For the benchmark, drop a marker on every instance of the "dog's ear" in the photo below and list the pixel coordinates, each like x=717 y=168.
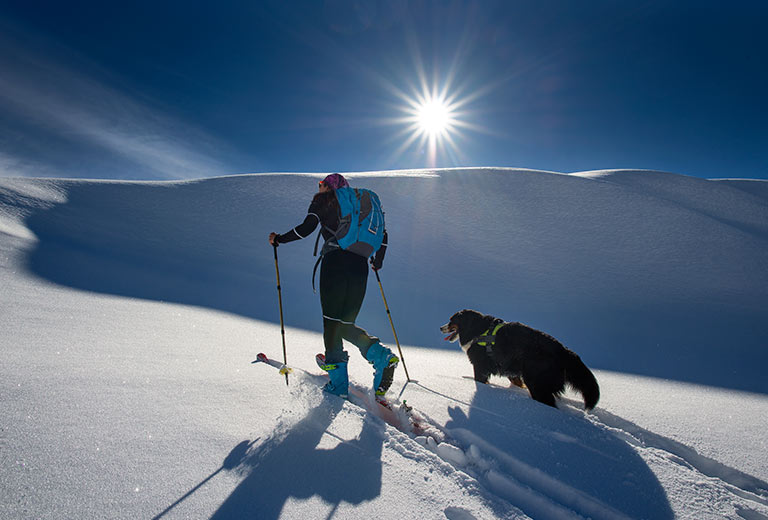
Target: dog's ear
x=463 y=314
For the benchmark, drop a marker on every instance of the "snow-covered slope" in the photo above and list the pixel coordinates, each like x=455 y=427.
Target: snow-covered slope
x=130 y=313
x=624 y=267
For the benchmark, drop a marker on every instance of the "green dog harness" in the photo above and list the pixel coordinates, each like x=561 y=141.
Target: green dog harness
x=488 y=338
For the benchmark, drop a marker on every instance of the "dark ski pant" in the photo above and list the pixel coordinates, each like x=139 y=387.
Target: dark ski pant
x=343 y=281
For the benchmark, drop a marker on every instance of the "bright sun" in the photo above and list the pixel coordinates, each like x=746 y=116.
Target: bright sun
x=434 y=117
x=432 y=122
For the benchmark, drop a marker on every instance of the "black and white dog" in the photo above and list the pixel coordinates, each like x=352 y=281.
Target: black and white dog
x=514 y=350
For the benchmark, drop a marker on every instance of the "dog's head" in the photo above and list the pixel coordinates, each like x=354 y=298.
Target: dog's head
x=464 y=326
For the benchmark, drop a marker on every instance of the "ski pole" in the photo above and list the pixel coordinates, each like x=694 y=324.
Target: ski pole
x=280 y=302
x=386 y=306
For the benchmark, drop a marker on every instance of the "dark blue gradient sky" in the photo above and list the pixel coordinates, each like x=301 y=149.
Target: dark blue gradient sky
x=162 y=90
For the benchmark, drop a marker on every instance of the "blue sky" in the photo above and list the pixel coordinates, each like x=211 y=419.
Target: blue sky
x=165 y=90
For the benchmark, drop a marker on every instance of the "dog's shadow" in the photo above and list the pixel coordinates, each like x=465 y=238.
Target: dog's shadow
x=741 y=484
x=550 y=460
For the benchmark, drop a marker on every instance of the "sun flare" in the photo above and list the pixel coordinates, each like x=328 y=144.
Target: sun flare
x=434 y=121
x=433 y=117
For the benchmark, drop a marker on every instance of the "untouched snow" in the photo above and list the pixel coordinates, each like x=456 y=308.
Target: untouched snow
x=130 y=313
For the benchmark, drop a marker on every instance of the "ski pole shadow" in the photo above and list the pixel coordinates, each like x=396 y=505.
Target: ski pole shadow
x=234 y=459
x=292 y=466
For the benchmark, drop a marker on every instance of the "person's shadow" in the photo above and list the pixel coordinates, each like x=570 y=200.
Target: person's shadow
x=292 y=465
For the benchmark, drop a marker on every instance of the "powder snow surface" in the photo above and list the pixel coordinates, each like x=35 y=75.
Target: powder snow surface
x=130 y=313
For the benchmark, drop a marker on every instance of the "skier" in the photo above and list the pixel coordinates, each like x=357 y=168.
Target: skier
x=343 y=281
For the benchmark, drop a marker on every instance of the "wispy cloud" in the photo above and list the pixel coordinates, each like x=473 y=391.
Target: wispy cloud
x=14 y=166
x=65 y=99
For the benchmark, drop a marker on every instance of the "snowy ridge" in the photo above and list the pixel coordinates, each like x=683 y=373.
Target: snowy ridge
x=130 y=313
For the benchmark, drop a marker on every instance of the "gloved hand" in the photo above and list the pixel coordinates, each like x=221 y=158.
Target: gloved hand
x=376 y=262
x=273 y=239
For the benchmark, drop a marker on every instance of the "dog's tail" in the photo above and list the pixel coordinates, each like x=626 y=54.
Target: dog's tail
x=582 y=379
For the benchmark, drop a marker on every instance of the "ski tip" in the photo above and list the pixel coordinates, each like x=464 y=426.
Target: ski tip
x=260 y=358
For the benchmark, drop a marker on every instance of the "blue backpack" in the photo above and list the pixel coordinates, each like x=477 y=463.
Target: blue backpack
x=361 y=221
x=361 y=224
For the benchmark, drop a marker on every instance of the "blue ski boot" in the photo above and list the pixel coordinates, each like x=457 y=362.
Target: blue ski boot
x=337 y=372
x=384 y=363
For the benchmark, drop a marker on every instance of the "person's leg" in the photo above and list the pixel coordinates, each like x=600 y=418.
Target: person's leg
x=359 y=338
x=355 y=284
x=333 y=290
x=383 y=360
x=343 y=282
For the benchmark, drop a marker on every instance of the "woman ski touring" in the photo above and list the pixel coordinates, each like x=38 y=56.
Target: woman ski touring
x=343 y=281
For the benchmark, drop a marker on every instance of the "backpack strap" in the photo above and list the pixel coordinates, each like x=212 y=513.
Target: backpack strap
x=317 y=240
x=329 y=245
x=314 y=271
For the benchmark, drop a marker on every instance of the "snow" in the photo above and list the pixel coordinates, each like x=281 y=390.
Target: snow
x=131 y=311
